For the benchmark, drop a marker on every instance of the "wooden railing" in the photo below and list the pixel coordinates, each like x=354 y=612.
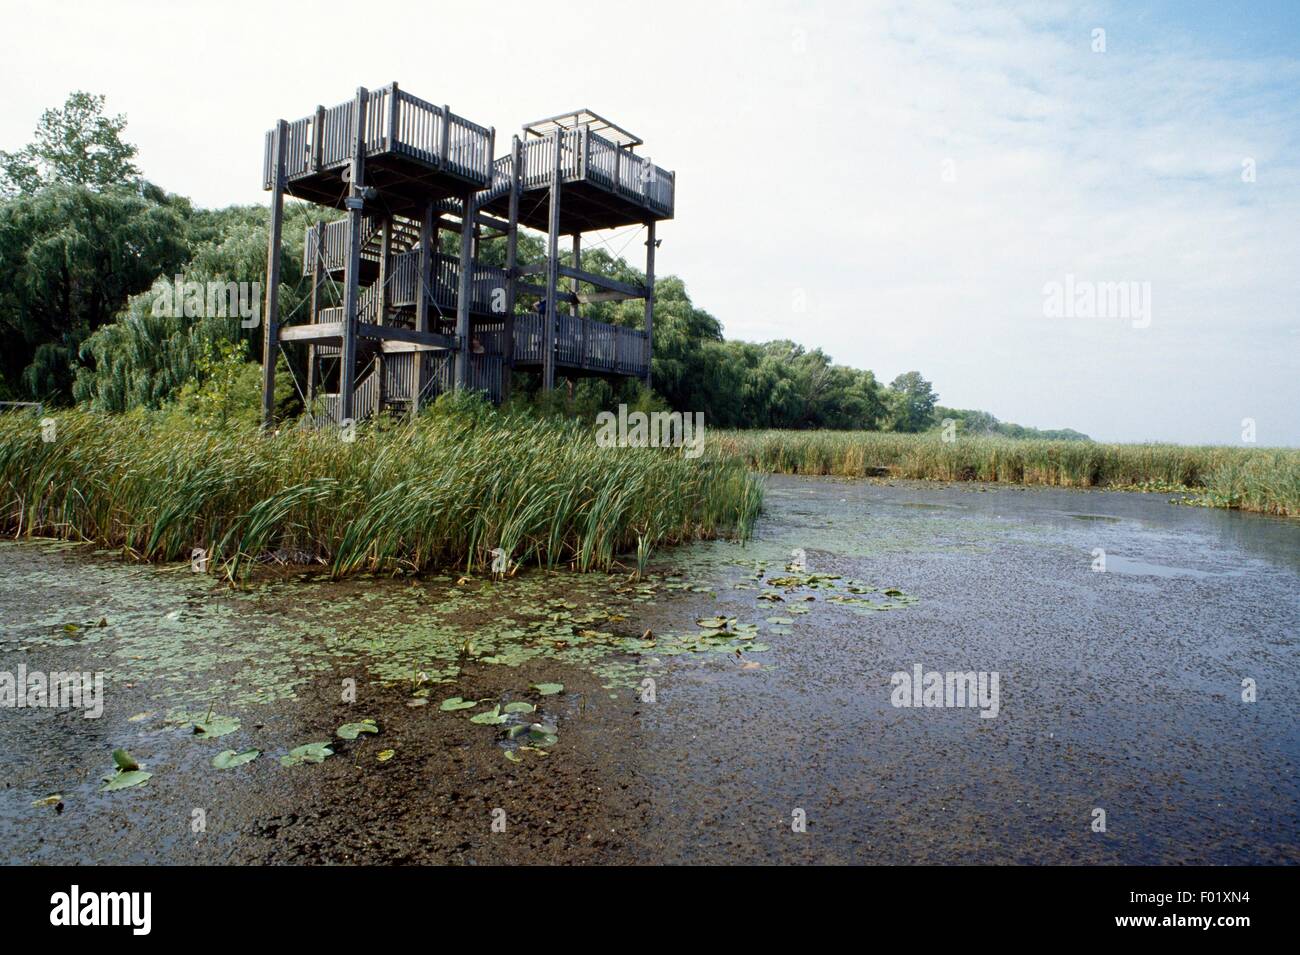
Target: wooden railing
x=585 y=155
x=396 y=122
x=487 y=288
x=336 y=244
x=584 y=343
x=627 y=174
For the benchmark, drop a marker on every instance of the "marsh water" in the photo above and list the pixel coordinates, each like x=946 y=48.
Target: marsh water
x=736 y=704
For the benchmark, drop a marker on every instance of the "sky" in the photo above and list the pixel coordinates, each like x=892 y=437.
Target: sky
x=903 y=185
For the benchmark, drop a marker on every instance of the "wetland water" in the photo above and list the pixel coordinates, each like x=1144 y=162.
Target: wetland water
x=1117 y=690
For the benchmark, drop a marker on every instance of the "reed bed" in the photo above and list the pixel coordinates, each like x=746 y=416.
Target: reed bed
x=1266 y=480
x=436 y=494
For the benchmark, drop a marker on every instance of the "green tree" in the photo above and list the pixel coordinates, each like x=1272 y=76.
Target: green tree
x=69 y=258
x=77 y=145
x=143 y=359
x=912 y=401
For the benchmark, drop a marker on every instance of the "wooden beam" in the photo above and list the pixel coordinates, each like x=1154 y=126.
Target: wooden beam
x=423 y=290
x=271 y=320
x=396 y=333
x=591 y=298
x=317 y=276
x=626 y=289
x=552 y=270
x=465 y=292
x=385 y=252
x=352 y=275
x=512 y=256
x=649 y=299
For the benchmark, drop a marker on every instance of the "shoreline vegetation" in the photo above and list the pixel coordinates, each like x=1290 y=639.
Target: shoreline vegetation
x=1262 y=480
x=467 y=487
x=451 y=491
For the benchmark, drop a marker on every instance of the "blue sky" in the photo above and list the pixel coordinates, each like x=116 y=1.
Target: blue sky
x=896 y=183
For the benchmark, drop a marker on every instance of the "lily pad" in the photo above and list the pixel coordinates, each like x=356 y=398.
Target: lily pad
x=384 y=755
x=548 y=689
x=456 y=703
x=229 y=759
x=125 y=780
x=353 y=730
x=215 y=726
x=492 y=717
x=49 y=800
x=518 y=706
x=307 y=753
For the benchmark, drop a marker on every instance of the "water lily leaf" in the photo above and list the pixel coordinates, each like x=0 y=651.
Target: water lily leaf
x=124 y=760
x=215 y=726
x=513 y=756
x=353 y=730
x=456 y=703
x=712 y=623
x=518 y=706
x=125 y=780
x=548 y=689
x=893 y=592
x=492 y=717
x=49 y=800
x=781 y=620
x=384 y=755
x=307 y=753
x=229 y=759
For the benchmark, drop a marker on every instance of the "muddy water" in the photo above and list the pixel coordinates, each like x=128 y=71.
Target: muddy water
x=768 y=707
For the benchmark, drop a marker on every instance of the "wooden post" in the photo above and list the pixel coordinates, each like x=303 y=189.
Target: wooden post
x=423 y=290
x=352 y=275
x=512 y=267
x=318 y=138
x=271 y=320
x=649 y=300
x=385 y=250
x=573 y=306
x=393 y=108
x=552 y=273
x=465 y=291
x=317 y=268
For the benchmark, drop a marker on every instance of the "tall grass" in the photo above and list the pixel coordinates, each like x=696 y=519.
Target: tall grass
x=1255 y=479
x=445 y=492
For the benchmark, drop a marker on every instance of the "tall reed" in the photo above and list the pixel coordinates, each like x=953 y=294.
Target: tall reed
x=441 y=493
x=1255 y=479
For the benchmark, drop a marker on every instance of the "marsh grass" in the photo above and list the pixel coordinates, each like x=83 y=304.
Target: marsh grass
x=1254 y=479
x=443 y=492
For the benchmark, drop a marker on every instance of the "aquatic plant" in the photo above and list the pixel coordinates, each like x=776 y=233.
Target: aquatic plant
x=1254 y=479
x=444 y=491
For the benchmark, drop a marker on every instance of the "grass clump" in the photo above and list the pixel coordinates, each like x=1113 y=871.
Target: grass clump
x=445 y=491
